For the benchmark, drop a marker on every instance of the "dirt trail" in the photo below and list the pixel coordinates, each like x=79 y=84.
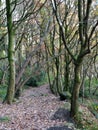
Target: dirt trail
x=33 y=111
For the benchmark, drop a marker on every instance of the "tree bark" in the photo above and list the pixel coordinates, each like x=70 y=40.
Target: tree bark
x=11 y=55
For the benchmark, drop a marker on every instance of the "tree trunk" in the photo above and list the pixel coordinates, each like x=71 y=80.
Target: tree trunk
x=66 y=78
x=76 y=88
x=57 y=75
x=66 y=75
x=11 y=55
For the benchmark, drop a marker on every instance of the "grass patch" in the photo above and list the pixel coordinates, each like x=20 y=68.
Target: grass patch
x=5 y=119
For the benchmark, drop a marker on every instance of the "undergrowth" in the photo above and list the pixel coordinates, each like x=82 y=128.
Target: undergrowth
x=3 y=90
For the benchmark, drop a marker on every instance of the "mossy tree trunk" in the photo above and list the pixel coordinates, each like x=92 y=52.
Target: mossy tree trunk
x=11 y=55
x=76 y=89
x=84 y=38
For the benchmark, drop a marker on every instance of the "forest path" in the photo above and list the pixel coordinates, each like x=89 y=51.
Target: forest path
x=34 y=111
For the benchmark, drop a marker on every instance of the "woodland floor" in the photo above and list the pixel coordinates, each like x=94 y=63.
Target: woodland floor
x=37 y=109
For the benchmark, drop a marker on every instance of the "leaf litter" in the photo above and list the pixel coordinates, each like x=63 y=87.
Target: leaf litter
x=33 y=111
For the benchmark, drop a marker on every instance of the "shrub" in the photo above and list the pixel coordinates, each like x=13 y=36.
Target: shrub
x=65 y=95
x=3 y=90
x=37 y=80
x=94 y=109
x=86 y=94
x=32 y=82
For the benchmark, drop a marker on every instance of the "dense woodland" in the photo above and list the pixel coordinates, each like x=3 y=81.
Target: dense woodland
x=51 y=42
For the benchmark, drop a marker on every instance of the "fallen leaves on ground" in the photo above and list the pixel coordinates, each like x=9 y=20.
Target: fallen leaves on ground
x=33 y=111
